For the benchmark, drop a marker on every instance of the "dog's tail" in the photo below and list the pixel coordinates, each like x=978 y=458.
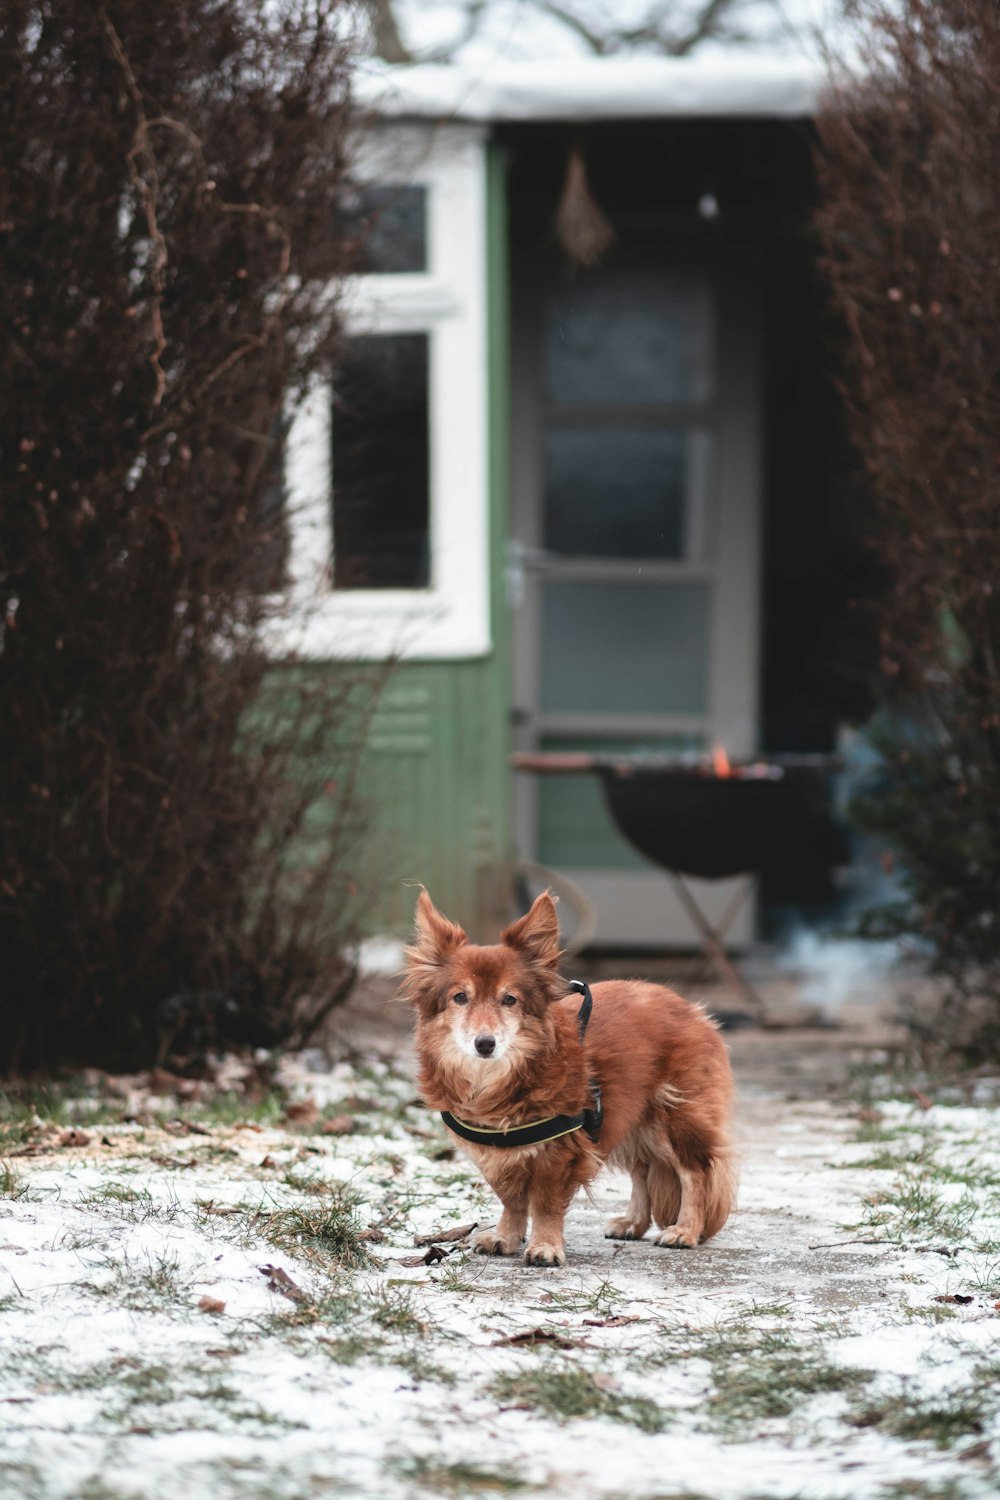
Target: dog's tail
x=720 y=1189
x=715 y=1186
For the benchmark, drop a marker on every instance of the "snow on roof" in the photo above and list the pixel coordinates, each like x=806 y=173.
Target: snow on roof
x=748 y=84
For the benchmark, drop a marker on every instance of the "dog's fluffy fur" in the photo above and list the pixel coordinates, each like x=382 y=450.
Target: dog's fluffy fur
x=661 y=1064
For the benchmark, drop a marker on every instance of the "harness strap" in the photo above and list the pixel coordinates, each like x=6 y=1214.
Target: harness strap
x=535 y=1132
x=583 y=1014
x=532 y=1134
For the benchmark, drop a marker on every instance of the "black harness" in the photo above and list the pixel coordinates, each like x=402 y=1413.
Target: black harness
x=536 y=1132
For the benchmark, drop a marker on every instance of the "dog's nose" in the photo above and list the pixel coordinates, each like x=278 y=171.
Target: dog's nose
x=485 y=1046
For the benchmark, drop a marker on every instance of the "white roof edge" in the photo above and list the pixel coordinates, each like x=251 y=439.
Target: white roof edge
x=738 y=85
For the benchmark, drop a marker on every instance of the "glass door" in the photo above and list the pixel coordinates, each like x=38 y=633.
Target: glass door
x=635 y=613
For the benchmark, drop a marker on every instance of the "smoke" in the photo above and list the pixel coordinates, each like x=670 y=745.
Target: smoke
x=831 y=972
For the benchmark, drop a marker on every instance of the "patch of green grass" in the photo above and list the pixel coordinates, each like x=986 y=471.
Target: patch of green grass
x=120 y=1192
x=759 y=1372
x=755 y=1388
x=766 y=1310
x=327 y=1230
x=914 y=1207
x=394 y=1311
x=880 y=1161
x=142 y=1395
x=941 y=1419
x=12 y=1184
x=565 y=1393
x=932 y=1312
x=459 y=1478
x=601 y=1299
x=920 y=1489
x=231 y=1108
x=456 y=1276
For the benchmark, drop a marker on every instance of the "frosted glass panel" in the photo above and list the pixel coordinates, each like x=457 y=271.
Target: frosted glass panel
x=624 y=647
x=624 y=336
x=621 y=491
x=575 y=829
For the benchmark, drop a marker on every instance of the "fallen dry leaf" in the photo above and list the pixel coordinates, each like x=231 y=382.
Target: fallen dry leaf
x=956 y=1297
x=221 y=1210
x=74 y=1138
x=922 y=1099
x=211 y=1305
x=616 y=1322
x=302 y=1112
x=181 y=1127
x=372 y=1235
x=977 y=1450
x=269 y=1161
x=445 y=1236
x=339 y=1125
x=278 y=1280
x=173 y=1161
x=431 y=1254
x=162 y=1082
x=532 y=1336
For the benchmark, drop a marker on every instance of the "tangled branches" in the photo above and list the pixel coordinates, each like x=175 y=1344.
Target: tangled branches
x=169 y=177
x=910 y=221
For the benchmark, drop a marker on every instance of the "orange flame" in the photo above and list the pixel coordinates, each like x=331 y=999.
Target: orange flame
x=720 y=762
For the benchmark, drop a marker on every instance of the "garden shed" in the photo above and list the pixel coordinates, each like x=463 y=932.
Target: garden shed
x=595 y=506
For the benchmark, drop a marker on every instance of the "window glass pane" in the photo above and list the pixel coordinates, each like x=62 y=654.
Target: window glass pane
x=625 y=335
x=389 y=225
x=575 y=829
x=624 y=647
x=621 y=491
x=381 y=506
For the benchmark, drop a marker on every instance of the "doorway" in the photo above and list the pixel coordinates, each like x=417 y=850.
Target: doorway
x=635 y=549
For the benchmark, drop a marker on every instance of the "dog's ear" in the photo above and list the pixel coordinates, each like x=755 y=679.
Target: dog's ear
x=536 y=934
x=436 y=936
x=437 y=939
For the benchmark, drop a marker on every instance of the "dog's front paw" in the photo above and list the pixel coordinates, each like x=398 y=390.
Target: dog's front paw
x=539 y=1253
x=625 y=1228
x=492 y=1242
x=677 y=1238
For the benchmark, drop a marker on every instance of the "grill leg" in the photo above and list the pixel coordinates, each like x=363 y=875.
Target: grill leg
x=712 y=941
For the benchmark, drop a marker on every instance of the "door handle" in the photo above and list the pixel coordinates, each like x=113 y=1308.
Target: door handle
x=522 y=559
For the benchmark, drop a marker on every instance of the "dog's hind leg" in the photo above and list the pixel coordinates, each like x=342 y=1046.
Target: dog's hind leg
x=692 y=1201
x=686 y=1226
x=632 y=1225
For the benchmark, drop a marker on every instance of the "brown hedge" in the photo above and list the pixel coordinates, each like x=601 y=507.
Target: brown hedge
x=169 y=176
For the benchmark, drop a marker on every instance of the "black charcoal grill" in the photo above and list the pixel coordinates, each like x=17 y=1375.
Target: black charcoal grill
x=711 y=819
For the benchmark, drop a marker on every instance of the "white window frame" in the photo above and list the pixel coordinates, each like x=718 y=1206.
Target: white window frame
x=450 y=619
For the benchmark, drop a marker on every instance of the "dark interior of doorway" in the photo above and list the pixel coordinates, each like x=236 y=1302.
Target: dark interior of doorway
x=745 y=191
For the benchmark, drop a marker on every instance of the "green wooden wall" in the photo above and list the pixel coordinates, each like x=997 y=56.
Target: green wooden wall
x=435 y=781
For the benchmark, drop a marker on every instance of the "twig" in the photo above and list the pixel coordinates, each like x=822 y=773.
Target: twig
x=148 y=188
x=861 y=1240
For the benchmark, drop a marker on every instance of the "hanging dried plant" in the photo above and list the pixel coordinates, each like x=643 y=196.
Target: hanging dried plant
x=581 y=227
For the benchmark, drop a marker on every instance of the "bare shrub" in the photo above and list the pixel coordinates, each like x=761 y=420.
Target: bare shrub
x=175 y=849
x=910 y=220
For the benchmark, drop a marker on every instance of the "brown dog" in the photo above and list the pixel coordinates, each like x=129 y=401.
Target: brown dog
x=501 y=1055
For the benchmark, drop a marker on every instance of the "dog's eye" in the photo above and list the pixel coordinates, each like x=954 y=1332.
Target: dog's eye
x=461 y=998
x=509 y=1000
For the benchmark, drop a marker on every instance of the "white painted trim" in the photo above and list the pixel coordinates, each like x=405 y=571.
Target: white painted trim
x=451 y=618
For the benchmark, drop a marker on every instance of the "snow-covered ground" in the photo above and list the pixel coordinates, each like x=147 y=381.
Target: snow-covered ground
x=841 y=1337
